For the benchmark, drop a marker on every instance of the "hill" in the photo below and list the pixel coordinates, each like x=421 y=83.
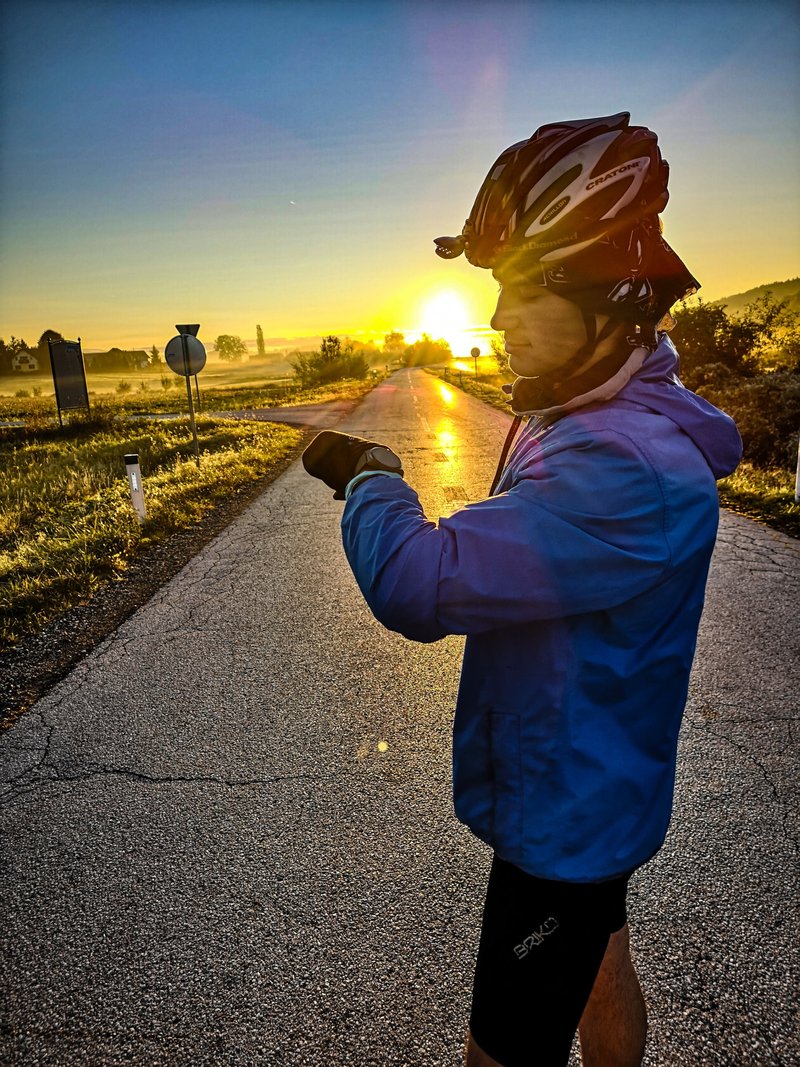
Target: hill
x=788 y=290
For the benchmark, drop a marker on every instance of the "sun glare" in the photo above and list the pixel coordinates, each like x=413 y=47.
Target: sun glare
x=446 y=315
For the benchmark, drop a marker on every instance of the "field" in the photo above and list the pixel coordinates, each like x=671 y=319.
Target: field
x=66 y=522
x=154 y=388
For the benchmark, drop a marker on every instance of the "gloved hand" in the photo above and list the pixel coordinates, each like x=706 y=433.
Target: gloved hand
x=336 y=458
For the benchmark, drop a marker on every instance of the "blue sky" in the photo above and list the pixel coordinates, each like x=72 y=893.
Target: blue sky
x=289 y=163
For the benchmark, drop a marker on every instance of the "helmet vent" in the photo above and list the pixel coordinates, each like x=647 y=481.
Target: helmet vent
x=545 y=200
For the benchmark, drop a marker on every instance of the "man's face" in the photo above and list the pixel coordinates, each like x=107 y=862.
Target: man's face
x=542 y=331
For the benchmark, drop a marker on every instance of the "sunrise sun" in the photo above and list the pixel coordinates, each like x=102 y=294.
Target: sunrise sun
x=446 y=315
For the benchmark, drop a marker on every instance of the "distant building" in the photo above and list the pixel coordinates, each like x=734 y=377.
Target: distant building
x=116 y=359
x=24 y=362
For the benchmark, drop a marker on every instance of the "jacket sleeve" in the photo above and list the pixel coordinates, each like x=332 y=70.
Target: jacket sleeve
x=583 y=529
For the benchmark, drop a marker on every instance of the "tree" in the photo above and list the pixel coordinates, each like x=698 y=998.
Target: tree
x=331 y=349
x=229 y=348
x=368 y=349
x=155 y=359
x=260 y=342
x=427 y=351
x=5 y=357
x=499 y=352
x=42 y=348
x=394 y=344
x=333 y=362
x=16 y=344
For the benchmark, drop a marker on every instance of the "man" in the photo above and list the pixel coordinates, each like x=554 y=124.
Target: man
x=579 y=582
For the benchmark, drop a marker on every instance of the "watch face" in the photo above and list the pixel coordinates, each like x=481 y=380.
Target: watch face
x=382 y=458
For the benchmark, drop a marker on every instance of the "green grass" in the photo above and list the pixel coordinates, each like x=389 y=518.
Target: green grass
x=764 y=495
x=66 y=521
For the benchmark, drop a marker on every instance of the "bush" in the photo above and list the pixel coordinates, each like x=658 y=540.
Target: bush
x=766 y=410
x=426 y=351
x=764 y=335
x=123 y=387
x=333 y=362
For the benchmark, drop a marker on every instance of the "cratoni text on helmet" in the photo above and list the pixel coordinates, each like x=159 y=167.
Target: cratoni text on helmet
x=634 y=165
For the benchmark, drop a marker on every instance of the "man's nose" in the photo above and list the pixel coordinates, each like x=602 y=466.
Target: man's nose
x=504 y=316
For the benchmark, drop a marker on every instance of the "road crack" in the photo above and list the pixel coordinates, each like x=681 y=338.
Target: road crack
x=95 y=771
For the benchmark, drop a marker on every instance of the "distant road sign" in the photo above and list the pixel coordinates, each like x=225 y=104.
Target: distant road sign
x=69 y=377
x=195 y=355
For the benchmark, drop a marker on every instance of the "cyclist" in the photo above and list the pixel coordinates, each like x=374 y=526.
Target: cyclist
x=579 y=582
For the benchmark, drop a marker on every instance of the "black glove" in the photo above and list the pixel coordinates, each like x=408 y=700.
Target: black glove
x=336 y=458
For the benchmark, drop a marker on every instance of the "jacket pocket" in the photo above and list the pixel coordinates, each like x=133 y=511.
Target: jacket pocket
x=507 y=771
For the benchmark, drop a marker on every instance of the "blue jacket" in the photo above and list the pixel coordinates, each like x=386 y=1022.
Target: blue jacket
x=579 y=585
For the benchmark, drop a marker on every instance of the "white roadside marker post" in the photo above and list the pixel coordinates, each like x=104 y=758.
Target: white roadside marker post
x=135 y=485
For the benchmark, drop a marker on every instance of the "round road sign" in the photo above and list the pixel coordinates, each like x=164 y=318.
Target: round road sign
x=195 y=355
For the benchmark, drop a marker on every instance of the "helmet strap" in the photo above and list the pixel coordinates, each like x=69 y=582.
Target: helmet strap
x=587 y=350
x=573 y=378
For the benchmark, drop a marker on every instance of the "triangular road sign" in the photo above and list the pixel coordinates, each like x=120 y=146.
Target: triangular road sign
x=189 y=329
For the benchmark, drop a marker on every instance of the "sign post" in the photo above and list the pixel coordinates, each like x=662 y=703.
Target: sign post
x=475 y=352
x=69 y=376
x=187 y=356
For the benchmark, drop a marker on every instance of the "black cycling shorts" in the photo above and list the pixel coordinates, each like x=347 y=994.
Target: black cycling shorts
x=541 y=947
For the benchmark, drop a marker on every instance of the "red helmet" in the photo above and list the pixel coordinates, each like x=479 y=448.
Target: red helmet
x=575 y=207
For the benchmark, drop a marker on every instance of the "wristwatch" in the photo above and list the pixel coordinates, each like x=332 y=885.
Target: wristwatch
x=378 y=458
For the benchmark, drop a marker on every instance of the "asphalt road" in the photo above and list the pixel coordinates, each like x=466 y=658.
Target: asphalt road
x=227 y=835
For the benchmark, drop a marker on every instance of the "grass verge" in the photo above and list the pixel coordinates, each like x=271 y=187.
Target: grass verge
x=66 y=522
x=764 y=495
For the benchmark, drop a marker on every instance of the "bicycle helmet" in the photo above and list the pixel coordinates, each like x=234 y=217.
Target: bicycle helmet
x=575 y=208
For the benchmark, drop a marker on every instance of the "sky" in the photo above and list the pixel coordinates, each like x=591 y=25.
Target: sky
x=289 y=163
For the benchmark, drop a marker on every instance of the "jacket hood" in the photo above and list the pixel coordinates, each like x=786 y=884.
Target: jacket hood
x=657 y=386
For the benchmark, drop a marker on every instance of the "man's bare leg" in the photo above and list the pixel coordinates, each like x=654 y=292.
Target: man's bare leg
x=476 y=1057
x=613 y=1028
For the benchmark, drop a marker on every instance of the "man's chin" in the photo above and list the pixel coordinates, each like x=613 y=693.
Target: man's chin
x=523 y=362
